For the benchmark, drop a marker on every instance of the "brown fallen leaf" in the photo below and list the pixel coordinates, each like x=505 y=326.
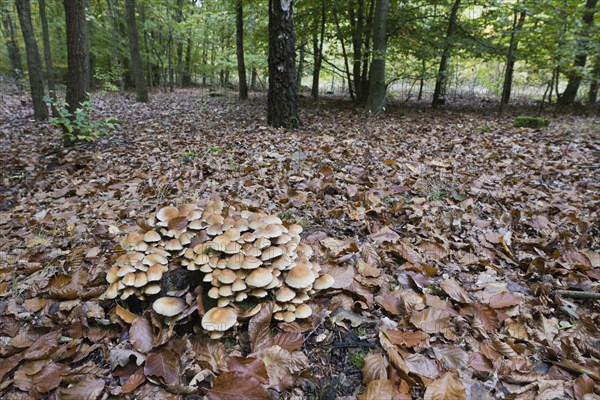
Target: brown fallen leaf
x=505 y=299
x=134 y=381
x=455 y=291
x=582 y=386
x=249 y=366
x=283 y=366
x=164 y=365
x=86 y=389
x=140 y=335
x=375 y=368
x=446 y=387
x=259 y=328
x=382 y=389
x=235 y=385
x=125 y=314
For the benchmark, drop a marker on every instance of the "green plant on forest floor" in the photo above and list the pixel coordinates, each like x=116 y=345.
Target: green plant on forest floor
x=358 y=358
x=527 y=121
x=78 y=125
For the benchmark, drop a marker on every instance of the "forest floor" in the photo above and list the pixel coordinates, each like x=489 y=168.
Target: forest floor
x=447 y=233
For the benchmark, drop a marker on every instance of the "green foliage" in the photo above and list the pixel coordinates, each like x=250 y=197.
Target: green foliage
x=527 y=121
x=109 y=78
x=78 y=125
x=358 y=358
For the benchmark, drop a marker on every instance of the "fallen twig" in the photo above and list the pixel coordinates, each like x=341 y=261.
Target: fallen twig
x=575 y=294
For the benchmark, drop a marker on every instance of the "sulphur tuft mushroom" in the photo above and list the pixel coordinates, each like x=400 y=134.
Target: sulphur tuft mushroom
x=219 y=319
x=168 y=306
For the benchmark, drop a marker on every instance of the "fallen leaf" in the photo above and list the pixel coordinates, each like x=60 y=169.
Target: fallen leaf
x=446 y=387
x=86 y=389
x=375 y=368
x=163 y=364
x=235 y=385
x=140 y=335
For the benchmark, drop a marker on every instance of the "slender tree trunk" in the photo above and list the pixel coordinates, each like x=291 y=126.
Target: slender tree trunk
x=149 y=70
x=377 y=88
x=367 y=52
x=187 y=73
x=134 y=48
x=77 y=51
x=34 y=64
x=90 y=54
x=48 y=56
x=344 y=54
x=179 y=18
x=239 y=46
x=253 y=79
x=14 y=55
x=300 y=72
x=115 y=45
x=441 y=81
x=318 y=53
x=510 y=57
x=282 y=99
x=570 y=94
x=595 y=83
x=356 y=25
x=421 y=80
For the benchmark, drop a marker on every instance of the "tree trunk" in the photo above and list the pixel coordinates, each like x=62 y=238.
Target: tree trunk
x=90 y=55
x=14 y=55
x=421 y=80
x=300 y=71
x=364 y=80
x=510 y=57
x=595 y=83
x=441 y=81
x=570 y=94
x=149 y=71
x=377 y=87
x=318 y=52
x=77 y=50
x=187 y=73
x=136 y=59
x=115 y=45
x=34 y=64
x=253 y=79
x=179 y=18
x=239 y=47
x=282 y=98
x=48 y=56
x=344 y=54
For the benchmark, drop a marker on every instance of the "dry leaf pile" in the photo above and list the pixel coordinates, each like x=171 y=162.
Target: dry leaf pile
x=448 y=234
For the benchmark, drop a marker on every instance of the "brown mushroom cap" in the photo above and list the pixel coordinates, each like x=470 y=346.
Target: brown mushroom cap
x=227 y=276
x=238 y=285
x=323 y=282
x=112 y=292
x=168 y=306
x=111 y=275
x=271 y=252
x=251 y=263
x=260 y=277
x=151 y=237
x=269 y=231
x=300 y=276
x=140 y=280
x=129 y=279
x=284 y=294
x=303 y=311
x=167 y=213
x=219 y=319
x=289 y=316
x=294 y=230
x=152 y=288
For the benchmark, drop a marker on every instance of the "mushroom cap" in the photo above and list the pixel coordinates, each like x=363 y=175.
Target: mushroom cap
x=124 y=270
x=111 y=275
x=167 y=213
x=129 y=279
x=215 y=219
x=259 y=293
x=252 y=251
x=152 y=288
x=232 y=234
x=140 y=280
x=219 y=319
x=242 y=225
x=323 y=282
x=215 y=229
x=241 y=296
x=173 y=244
x=294 y=230
x=112 y=292
x=154 y=258
x=232 y=248
x=271 y=219
x=186 y=208
x=262 y=243
x=235 y=261
x=213 y=293
x=227 y=276
x=168 y=306
x=271 y=252
x=260 y=277
x=247 y=237
x=284 y=294
x=251 y=263
x=225 y=291
x=303 y=311
x=300 y=276
x=289 y=316
x=151 y=237
x=238 y=285
x=269 y=231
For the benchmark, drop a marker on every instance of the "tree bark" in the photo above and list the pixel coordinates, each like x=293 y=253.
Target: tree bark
x=510 y=58
x=91 y=57
x=115 y=45
x=282 y=98
x=14 y=55
x=570 y=94
x=441 y=81
x=253 y=79
x=134 y=48
x=300 y=72
x=318 y=52
x=77 y=51
x=187 y=73
x=179 y=18
x=344 y=54
x=377 y=86
x=48 y=56
x=239 y=47
x=34 y=63
x=595 y=83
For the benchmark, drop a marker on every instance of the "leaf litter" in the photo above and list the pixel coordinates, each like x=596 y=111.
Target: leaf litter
x=447 y=244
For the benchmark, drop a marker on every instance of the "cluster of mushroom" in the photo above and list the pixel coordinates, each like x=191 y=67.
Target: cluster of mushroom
x=241 y=254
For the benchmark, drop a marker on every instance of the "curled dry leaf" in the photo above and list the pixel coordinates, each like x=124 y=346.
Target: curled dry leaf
x=249 y=366
x=382 y=389
x=235 y=385
x=164 y=365
x=140 y=335
x=211 y=354
x=259 y=328
x=446 y=387
x=125 y=314
x=455 y=291
x=375 y=368
x=86 y=389
x=283 y=366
